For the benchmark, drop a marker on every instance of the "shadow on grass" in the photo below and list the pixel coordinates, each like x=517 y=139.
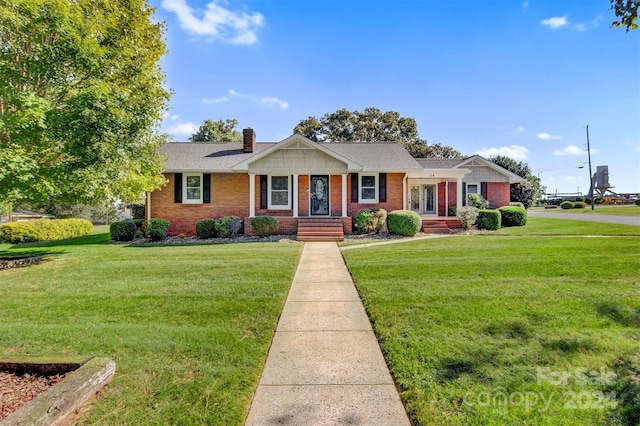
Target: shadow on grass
x=620 y=314
x=37 y=249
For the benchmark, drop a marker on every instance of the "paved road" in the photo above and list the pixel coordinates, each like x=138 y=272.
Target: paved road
x=623 y=220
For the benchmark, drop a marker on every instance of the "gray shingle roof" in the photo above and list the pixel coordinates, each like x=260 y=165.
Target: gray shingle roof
x=433 y=163
x=203 y=156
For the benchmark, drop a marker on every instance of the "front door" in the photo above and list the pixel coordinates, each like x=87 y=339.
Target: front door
x=429 y=199
x=319 y=196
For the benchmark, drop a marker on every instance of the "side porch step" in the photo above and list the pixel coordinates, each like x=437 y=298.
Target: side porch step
x=439 y=226
x=320 y=229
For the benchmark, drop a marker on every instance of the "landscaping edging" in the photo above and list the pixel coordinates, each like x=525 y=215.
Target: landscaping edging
x=8 y=263
x=53 y=406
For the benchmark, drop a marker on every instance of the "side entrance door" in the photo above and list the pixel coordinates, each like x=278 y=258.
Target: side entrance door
x=429 y=199
x=319 y=195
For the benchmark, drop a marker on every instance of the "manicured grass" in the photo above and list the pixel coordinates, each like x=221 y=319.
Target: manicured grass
x=628 y=210
x=488 y=329
x=189 y=327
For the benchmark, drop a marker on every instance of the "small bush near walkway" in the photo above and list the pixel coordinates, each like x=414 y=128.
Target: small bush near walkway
x=369 y=221
x=264 y=226
x=44 y=230
x=404 y=222
x=489 y=219
x=228 y=226
x=579 y=205
x=467 y=217
x=513 y=216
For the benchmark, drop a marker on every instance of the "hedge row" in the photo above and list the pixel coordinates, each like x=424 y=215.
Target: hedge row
x=225 y=227
x=44 y=230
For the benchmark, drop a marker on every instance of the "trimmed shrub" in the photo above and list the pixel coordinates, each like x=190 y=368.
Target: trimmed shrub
x=404 y=222
x=123 y=231
x=513 y=216
x=567 y=205
x=228 y=226
x=141 y=224
x=477 y=201
x=637 y=202
x=206 y=228
x=369 y=221
x=516 y=204
x=264 y=226
x=467 y=216
x=158 y=229
x=44 y=230
x=451 y=211
x=137 y=211
x=489 y=219
x=579 y=205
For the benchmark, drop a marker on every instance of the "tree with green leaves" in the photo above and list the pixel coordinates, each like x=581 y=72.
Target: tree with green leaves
x=217 y=131
x=372 y=125
x=81 y=97
x=627 y=13
x=525 y=192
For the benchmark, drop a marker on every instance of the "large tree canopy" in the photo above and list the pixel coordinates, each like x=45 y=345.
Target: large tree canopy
x=217 y=131
x=627 y=13
x=371 y=125
x=81 y=94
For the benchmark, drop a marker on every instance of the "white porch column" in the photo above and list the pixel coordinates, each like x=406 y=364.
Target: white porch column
x=295 y=195
x=459 y=193
x=344 y=195
x=148 y=206
x=252 y=195
x=404 y=192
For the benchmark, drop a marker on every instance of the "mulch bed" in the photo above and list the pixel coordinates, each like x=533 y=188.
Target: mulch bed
x=16 y=390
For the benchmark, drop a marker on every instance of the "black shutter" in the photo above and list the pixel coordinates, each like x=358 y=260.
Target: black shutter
x=263 y=191
x=291 y=189
x=177 y=187
x=354 y=187
x=382 y=188
x=464 y=194
x=483 y=189
x=206 y=188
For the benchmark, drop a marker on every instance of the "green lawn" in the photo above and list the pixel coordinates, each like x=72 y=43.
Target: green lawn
x=488 y=329
x=541 y=226
x=189 y=327
x=628 y=210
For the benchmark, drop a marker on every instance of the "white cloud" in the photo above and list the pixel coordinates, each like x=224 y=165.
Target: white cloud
x=216 y=22
x=555 y=22
x=547 y=136
x=516 y=152
x=574 y=150
x=183 y=129
x=236 y=94
x=572 y=179
x=525 y=5
x=215 y=100
x=271 y=102
x=637 y=148
x=520 y=129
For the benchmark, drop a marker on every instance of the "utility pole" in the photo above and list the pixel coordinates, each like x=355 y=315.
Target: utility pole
x=590 y=173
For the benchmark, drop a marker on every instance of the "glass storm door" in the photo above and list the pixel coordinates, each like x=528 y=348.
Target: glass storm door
x=429 y=199
x=319 y=196
x=415 y=199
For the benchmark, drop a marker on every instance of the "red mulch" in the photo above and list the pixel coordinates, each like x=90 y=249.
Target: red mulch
x=17 y=390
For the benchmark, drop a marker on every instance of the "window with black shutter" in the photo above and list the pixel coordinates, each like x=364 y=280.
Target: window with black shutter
x=354 y=187
x=177 y=187
x=206 y=188
x=382 y=189
x=263 y=191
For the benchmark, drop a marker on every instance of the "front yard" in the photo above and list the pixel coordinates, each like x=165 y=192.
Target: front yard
x=512 y=327
x=188 y=326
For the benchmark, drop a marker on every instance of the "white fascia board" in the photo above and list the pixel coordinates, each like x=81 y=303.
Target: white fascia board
x=438 y=173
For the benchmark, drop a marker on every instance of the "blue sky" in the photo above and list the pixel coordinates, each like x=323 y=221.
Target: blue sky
x=519 y=78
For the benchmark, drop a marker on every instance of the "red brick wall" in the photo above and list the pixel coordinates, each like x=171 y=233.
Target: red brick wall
x=229 y=197
x=335 y=199
x=394 y=196
x=442 y=199
x=499 y=193
x=303 y=195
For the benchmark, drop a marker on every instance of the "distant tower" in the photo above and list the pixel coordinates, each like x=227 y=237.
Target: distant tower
x=600 y=182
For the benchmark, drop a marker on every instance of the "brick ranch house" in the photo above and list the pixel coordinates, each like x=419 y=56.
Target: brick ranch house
x=309 y=186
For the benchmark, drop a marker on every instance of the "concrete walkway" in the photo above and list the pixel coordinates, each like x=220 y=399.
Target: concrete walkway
x=325 y=366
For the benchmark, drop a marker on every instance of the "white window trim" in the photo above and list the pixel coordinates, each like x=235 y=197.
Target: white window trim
x=377 y=189
x=271 y=206
x=466 y=188
x=184 y=188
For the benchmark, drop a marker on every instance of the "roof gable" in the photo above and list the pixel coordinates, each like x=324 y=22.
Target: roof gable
x=479 y=161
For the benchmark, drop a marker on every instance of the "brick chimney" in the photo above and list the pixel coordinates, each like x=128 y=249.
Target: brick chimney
x=249 y=140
